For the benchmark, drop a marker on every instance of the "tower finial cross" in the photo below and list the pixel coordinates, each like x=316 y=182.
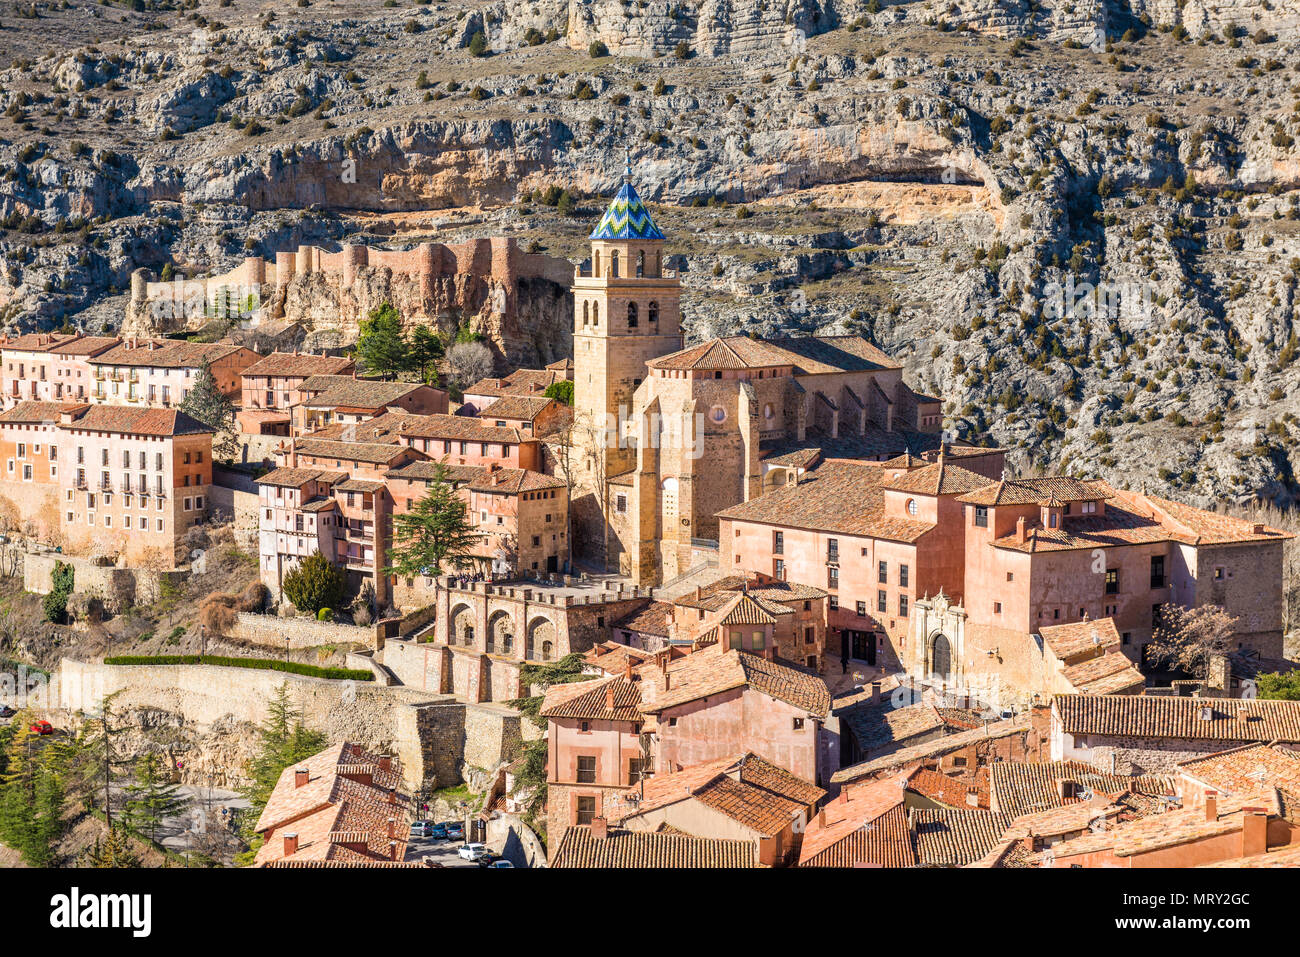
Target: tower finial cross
x=627 y=169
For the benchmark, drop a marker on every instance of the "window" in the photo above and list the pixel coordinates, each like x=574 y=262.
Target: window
x=631 y=315
x=1157 y=571
x=634 y=770
x=620 y=503
x=981 y=516
x=912 y=507
x=882 y=601
x=997 y=608
x=586 y=810
x=1218 y=573
x=902 y=605
x=833 y=602
x=832 y=577
x=862 y=609
x=832 y=549
x=778 y=543
x=586 y=769
x=798 y=724
x=1112 y=581
x=902 y=576
x=1011 y=576
x=882 y=575
x=778 y=569
x=810 y=635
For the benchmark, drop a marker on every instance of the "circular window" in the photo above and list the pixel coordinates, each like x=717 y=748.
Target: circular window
x=718 y=414
x=912 y=507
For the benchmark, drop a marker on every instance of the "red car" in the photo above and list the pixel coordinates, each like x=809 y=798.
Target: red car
x=42 y=727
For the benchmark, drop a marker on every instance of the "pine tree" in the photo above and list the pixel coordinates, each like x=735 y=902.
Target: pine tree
x=382 y=346
x=113 y=851
x=152 y=798
x=435 y=530
x=209 y=405
x=426 y=349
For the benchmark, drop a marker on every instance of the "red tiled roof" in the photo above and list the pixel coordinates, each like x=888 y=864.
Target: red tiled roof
x=646 y=849
x=1094 y=636
x=1247 y=769
x=295 y=365
x=1036 y=491
x=949 y=837
x=807 y=355
x=844 y=497
x=940 y=478
x=715 y=669
x=1196 y=719
x=946 y=790
x=867 y=827
x=29 y=412
x=131 y=420
x=651 y=618
x=1024 y=787
x=591 y=700
x=167 y=353
x=524 y=407
x=459 y=427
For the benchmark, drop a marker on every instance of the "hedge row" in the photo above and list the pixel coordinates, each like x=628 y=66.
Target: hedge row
x=269 y=664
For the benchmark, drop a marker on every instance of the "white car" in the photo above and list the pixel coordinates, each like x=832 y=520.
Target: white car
x=472 y=852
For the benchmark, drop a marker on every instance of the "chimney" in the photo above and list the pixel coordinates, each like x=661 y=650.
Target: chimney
x=599 y=828
x=875 y=692
x=609 y=698
x=1064 y=789
x=291 y=844
x=1029 y=842
x=627 y=668
x=972 y=798
x=300 y=777
x=392 y=828
x=668 y=679
x=821 y=816
x=392 y=851
x=386 y=764
x=392 y=795
x=1257 y=528
x=1211 y=805
x=699 y=592
x=1254 y=831
x=1020 y=529
x=769 y=651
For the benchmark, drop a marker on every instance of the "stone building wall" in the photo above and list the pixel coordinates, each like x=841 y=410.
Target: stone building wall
x=270 y=631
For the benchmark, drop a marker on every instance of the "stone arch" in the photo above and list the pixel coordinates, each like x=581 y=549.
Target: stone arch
x=613 y=263
x=586 y=312
x=596 y=263
x=640 y=263
x=595 y=313
x=501 y=633
x=652 y=311
x=631 y=315
x=461 y=628
x=941 y=657
x=543 y=640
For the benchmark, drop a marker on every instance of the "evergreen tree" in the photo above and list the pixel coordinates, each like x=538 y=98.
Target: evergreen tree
x=209 y=405
x=382 y=346
x=435 y=530
x=314 y=584
x=283 y=741
x=152 y=798
x=561 y=391
x=426 y=349
x=113 y=851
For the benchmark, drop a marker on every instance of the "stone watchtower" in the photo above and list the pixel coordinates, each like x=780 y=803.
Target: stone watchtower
x=627 y=310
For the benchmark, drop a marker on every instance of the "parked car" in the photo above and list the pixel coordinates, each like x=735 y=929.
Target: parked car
x=472 y=852
x=422 y=829
x=501 y=863
x=41 y=727
x=455 y=831
x=6 y=711
x=438 y=831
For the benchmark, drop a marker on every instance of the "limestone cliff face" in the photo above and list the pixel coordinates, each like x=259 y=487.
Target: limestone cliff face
x=534 y=328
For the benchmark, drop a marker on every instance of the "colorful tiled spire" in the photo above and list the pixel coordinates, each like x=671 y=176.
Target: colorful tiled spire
x=627 y=217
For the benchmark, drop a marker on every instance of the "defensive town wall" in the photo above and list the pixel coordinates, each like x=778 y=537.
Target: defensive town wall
x=434 y=736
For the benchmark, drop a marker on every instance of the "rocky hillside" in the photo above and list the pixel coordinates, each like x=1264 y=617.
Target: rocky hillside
x=1078 y=222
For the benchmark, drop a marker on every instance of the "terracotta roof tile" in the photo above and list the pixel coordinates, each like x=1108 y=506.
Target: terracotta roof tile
x=1197 y=719
x=947 y=837
x=868 y=826
x=651 y=618
x=519 y=382
x=167 y=353
x=377 y=453
x=460 y=427
x=1246 y=769
x=613 y=658
x=525 y=407
x=350 y=393
x=131 y=420
x=297 y=478
x=1110 y=673
x=948 y=791
x=1036 y=491
x=940 y=478
x=713 y=670
x=295 y=365
x=1093 y=636
x=1024 y=787
x=845 y=497
x=807 y=355
x=931 y=749
x=29 y=412
x=646 y=849
x=591 y=700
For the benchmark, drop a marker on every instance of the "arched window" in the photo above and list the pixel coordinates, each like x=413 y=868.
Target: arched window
x=595 y=313
x=631 y=315
x=652 y=312
x=613 y=263
x=586 y=317
x=657 y=265
x=546 y=651
x=595 y=262
x=640 y=263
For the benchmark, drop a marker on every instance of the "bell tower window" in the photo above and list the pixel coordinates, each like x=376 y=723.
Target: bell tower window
x=613 y=263
x=631 y=315
x=640 y=263
x=652 y=312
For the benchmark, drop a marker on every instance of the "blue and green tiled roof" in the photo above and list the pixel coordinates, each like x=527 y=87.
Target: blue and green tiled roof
x=626 y=218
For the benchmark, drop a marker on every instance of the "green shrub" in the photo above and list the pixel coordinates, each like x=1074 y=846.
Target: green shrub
x=265 y=664
x=325 y=614
x=54 y=606
x=315 y=584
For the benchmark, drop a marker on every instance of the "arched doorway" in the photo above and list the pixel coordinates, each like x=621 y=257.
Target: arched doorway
x=941 y=658
x=461 y=631
x=500 y=637
x=540 y=645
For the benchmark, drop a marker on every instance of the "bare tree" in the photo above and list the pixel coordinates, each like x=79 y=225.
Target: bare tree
x=1188 y=638
x=469 y=362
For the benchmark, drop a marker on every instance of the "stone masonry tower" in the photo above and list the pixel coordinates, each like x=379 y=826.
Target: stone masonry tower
x=626 y=311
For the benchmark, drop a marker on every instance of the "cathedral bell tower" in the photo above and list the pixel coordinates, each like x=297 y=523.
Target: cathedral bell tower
x=627 y=311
